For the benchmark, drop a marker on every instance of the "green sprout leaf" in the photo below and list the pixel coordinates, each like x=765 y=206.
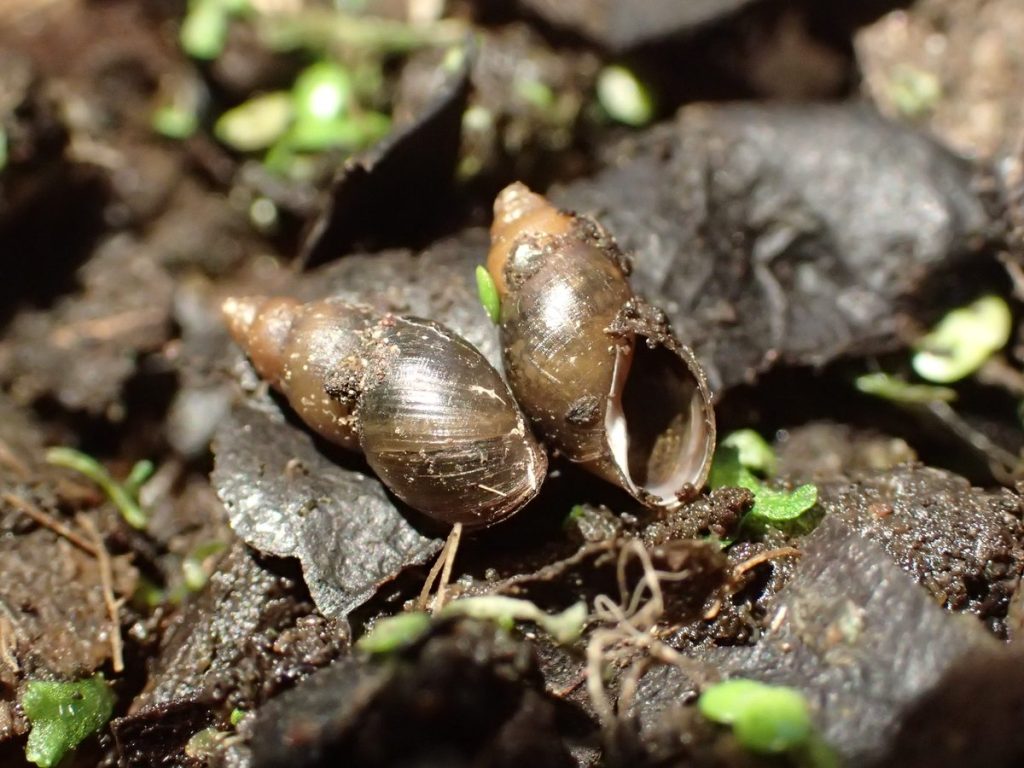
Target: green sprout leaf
x=624 y=97
x=257 y=123
x=62 y=715
x=914 y=92
x=193 y=566
x=754 y=451
x=535 y=92
x=564 y=627
x=963 y=340
x=322 y=92
x=771 y=507
x=204 y=30
x=898 y=390
x=124 y=496
x=237 y=716
x=350 y=133
x=394 y=632
x=204 y=744
x=766 y=719
x=174 y=122
x=488 y=292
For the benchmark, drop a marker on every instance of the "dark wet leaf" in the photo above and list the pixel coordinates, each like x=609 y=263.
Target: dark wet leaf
x=285 y=498
x=765 y=253
x=469 y=694
x=157 y=735
x=621 y=24
x=399 y=184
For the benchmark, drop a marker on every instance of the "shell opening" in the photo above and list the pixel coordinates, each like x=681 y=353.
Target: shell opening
x=659 y=424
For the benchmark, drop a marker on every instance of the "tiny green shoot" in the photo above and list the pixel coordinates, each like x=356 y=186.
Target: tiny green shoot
x=771 y=507
x=204 y=30
x=63 y=715
x=322 y=91
x=394 y=632
x=124 y=496
x=914 y=92
x=766 y=719
x=899 y=390
x=257 y=123
x=488 y=292
x=534 y=92
x=237 y=716
x=174 y=122
x=754 y=451
x=192 y=566
x=204 y=744
x=963 y=340
x=624 y=98
x=577 y=512
x=564 y=627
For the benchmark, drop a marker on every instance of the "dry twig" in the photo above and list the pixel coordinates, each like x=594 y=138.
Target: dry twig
x=48 y=521
x=107 y=584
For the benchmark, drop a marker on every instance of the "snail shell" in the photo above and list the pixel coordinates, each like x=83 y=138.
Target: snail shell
x=434 y=419
x=596 y=369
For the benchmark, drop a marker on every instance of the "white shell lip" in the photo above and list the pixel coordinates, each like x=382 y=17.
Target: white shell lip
x=693 y=462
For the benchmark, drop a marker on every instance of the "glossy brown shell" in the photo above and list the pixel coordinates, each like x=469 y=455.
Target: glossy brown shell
x=435 y=421
x=597 y=370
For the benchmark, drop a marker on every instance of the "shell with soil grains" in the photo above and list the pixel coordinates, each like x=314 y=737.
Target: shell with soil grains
x=596 y=369
x=433 y=418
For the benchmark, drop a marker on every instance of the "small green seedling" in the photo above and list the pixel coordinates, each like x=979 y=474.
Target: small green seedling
x=394 y=632
x=914 y=92
x=898 y=390
x=771 y=507
x=488 y=293
x=963 y=340
x=124 y=495
x=322 y=91
x=192 y=566
x=257 y=123
x=174 y=122
x=767 y=719
x=63 y=715
x=564 y=627
x=624 y=97
x=754 y=452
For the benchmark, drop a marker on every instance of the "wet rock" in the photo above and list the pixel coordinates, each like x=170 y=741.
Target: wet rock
x=252 y=633
x=766 y=252
x=963 y=544
x=856 y=635
x=287 y=498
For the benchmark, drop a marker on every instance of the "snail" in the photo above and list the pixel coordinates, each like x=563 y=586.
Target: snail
x=434 y=419
x=596 y=369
